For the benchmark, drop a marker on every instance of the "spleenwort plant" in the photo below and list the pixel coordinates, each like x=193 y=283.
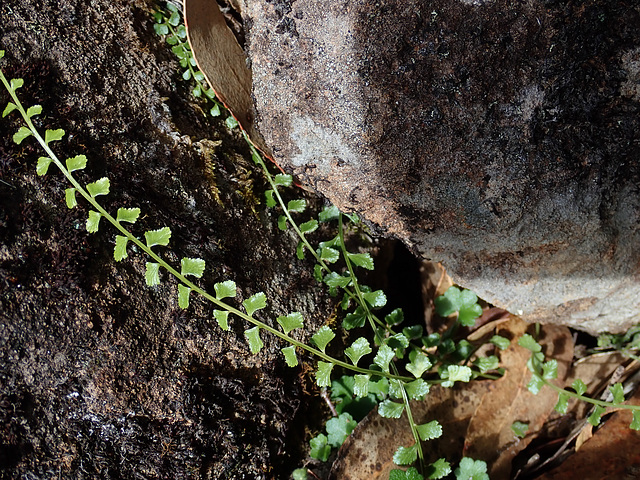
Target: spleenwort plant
x=189 y=267
x=403 y=361
x=388 y=344
x=440 y=366
x=626 y=343
x=433 y=358
x=169 y=25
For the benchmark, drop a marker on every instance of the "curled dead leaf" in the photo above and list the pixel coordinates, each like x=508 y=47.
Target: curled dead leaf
x=223 y=63
x=435 y=281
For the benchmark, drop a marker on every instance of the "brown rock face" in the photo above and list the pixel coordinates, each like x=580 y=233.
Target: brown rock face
x=499 y=137
x=101 y=376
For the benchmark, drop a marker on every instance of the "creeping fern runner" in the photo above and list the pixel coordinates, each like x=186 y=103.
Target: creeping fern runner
x=545 y=371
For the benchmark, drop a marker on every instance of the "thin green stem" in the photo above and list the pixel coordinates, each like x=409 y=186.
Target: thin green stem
x=590 y=400
x=363 y=303
x=413 y=426
x=353 y=296
x=258 y=158
x=354 y=280
x=627 y=353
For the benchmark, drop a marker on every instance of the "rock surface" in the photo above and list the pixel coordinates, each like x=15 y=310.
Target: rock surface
x=102 y=377
x=501 y=138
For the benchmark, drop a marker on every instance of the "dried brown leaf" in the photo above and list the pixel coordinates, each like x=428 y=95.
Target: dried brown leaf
x=223 y=62
x=613 y=452
x=585 y=434
x=435 y=282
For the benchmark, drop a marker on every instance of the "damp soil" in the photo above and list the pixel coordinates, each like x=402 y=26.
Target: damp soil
x=102 y=376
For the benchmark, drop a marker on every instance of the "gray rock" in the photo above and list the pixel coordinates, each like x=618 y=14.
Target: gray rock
x=498 y=137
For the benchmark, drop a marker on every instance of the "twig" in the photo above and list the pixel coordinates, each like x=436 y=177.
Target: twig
x=326 y=398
